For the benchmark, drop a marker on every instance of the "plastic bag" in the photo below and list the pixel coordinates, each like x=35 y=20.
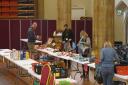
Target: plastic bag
x=97 y=74
x=118 y=83
x=36 y=82
x=64 y=82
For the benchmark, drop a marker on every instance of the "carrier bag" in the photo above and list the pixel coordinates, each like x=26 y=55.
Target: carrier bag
x=97 y=74
x=118 y=83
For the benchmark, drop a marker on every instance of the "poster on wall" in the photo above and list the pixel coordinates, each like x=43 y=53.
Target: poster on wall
x=77 y=13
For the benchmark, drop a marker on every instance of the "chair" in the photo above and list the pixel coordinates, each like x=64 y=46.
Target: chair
x=45 y=75
x=52 y=80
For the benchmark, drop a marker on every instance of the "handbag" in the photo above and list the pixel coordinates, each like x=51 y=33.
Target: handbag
x=97 y=74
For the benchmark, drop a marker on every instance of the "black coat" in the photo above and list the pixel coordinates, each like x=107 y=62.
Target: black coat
x=66 y=35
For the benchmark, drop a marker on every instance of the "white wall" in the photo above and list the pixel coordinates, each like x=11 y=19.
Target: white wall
x=78 y=3
x=87 y=4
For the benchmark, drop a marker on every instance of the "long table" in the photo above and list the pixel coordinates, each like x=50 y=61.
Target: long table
x=26 y=40
x=75 y=58
x=27 y=65
x=55 y=54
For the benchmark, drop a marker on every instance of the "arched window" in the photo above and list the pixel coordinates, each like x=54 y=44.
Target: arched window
x=121 y=7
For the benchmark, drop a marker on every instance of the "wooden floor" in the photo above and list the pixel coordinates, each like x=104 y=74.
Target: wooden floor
x=7 y=78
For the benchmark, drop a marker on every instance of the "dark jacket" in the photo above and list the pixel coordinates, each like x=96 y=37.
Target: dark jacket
x=66 y=35
x=31 y=35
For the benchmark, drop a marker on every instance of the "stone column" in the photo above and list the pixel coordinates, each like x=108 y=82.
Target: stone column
x=40 y=9
x=64 y=14
x=103 y=23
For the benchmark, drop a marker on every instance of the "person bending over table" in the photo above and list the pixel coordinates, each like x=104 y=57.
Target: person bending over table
x=84 y=44
x=84 y=49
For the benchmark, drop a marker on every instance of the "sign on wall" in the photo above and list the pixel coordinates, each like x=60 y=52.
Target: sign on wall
x=77 y=13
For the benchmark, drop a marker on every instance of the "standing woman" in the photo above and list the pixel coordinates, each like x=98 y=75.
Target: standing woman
x=108 y=55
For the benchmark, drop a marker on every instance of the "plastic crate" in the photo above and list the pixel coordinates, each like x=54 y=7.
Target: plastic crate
x=122 y=70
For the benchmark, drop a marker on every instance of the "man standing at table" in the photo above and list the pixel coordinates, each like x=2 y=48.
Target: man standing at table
x=32 y=37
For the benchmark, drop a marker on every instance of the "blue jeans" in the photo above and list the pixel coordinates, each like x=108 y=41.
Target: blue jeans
x=107 y=75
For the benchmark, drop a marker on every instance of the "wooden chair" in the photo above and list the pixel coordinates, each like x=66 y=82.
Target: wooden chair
x=52 y=80
x=45 y=75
